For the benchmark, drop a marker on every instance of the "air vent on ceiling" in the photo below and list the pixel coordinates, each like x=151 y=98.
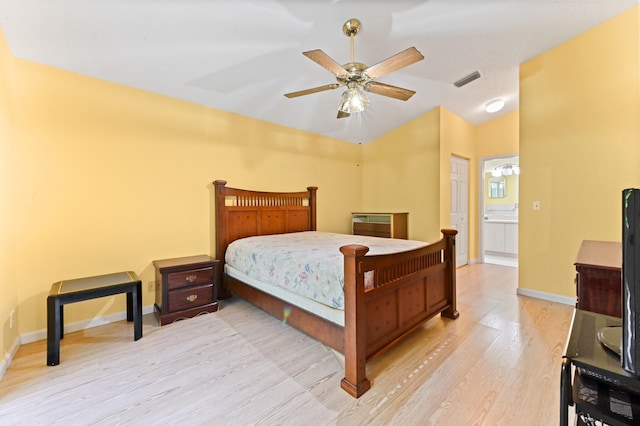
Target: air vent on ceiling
x=467 y=79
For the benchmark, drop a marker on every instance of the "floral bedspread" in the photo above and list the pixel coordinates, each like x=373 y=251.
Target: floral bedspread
x=307 y=263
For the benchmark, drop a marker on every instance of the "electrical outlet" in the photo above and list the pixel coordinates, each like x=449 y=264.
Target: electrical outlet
x=12 y=318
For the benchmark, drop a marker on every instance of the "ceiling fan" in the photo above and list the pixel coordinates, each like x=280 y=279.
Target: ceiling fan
x=358 y=77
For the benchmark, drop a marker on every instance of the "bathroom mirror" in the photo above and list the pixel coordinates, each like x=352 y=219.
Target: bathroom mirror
x=496 y=187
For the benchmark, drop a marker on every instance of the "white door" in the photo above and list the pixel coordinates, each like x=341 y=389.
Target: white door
x=460 y=207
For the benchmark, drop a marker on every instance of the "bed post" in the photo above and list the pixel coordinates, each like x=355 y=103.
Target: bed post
x=312 y=206
x=221 y=237
x=355 y=381
x=450 y=259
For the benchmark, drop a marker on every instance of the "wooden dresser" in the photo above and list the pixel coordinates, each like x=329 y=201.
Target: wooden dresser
x=185 y=287
x=599 y=277
x=388 y=225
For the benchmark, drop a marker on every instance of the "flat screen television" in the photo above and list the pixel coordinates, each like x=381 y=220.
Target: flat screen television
x=625 y=340
x=630 y=356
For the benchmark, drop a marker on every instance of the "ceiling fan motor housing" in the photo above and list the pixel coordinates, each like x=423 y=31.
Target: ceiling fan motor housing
x=355 y=72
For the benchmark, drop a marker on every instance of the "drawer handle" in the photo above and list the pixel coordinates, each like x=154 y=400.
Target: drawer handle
x=192 y=297
x=191 y=278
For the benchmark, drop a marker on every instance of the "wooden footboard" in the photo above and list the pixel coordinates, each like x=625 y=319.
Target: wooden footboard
x=406 y=288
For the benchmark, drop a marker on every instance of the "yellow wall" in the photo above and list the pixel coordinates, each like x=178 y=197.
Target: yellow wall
x=109 y=178
x=499 y=136
x=400 y=174
x=579 y=147
x=8 y=241
x=408 y=168
x=458 y=138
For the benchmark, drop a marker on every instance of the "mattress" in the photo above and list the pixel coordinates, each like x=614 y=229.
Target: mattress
x=307 y=264
x=336 y=316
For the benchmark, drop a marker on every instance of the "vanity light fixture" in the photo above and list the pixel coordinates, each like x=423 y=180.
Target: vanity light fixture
x=506 y=170
x=494 y=106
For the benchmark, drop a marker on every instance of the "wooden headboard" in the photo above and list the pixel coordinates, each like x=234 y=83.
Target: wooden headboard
x=243 y=213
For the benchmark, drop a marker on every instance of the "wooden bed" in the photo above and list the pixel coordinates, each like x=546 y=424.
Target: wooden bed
x=409 y=287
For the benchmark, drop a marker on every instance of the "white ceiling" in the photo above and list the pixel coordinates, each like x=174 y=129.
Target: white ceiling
x=243 y=55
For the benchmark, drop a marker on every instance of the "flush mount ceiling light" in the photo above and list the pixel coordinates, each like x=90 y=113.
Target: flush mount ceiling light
x=494 y=106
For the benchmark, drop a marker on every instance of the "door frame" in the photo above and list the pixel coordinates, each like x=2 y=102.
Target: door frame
x=481 y=185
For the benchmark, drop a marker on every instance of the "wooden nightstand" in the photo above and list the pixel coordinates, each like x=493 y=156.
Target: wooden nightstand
x=185 y=287
x=599 y=277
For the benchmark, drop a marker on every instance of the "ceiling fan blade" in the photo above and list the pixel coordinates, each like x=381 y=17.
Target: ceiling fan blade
x=314 y=90
x=397 y=61
x=325 y=61
x=389 y=90
x=342 y=114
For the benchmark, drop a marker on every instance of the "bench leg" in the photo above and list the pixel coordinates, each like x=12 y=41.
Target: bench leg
x=61 y=320
x=134 y=309
x=130 y=305
x=54 y=330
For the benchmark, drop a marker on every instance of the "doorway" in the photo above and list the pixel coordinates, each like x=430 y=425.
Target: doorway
x=499 y=205
x=460 y=207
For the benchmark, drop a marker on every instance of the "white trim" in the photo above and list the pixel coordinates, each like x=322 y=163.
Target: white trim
x=480 y=218
x=6 y=361
x=82 y=325
x=547 y=296
x=501 y=260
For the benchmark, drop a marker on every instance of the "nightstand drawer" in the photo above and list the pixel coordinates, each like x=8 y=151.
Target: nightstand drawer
x=372 y=229
x=190 y=297
x=190 y=278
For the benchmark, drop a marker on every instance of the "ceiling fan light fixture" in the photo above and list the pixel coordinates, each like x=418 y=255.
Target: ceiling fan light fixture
x=494 y=106
x=353 y=100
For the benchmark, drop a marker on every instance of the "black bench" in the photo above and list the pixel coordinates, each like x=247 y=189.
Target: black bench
x=80 y=289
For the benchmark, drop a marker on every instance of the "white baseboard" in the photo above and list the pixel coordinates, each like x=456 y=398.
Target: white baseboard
x=34 y=336
x=4 y=364
x=547 y=296
x=501 y=260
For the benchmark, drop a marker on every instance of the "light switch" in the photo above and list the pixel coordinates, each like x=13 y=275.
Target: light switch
x=536 y=205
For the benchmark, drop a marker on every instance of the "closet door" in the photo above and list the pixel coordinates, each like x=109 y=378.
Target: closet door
x=460 y=207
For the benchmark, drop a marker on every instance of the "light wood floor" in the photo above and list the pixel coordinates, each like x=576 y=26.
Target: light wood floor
x=499 y=363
